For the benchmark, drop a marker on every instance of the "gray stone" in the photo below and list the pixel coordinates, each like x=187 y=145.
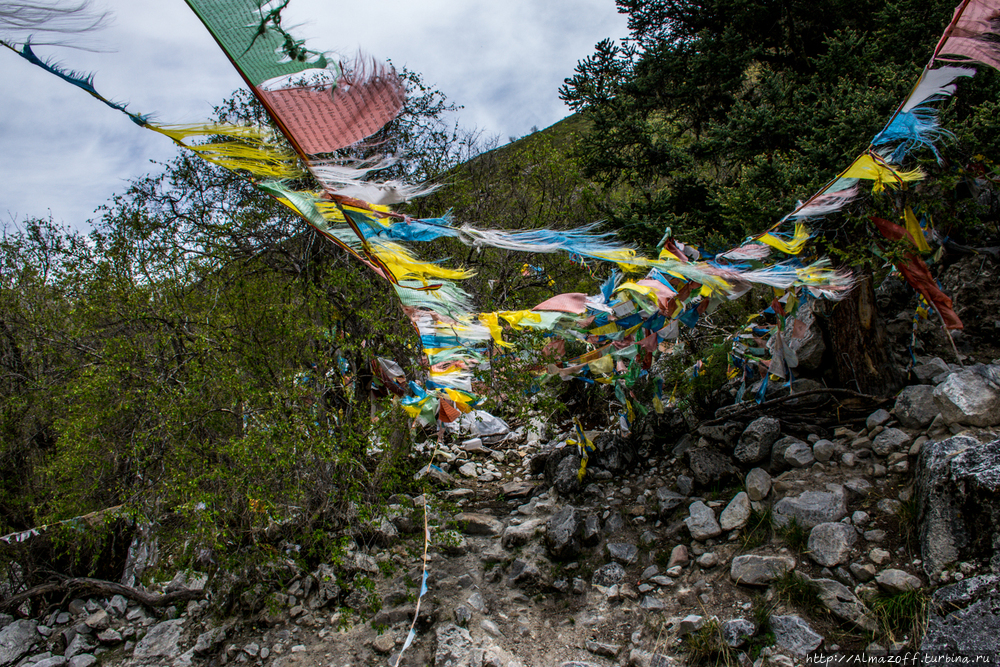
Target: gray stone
x=82 y=660
x=755 y=570
x=824 y=450
x=519 y=489
x=53 y=661
x=811 y=508
x=932 y=368
x=830 y=543
x=724 y=434
x=758 y=484
x=187 y=580
x=521 y=534
x=755 y=442
x=878 y=418
x=162 y=641
x=863 y=571
x=81 y=643
x=708 y=560
x=99 y=620
x=478 y=524
x=117 y=606
x=652 y=603
x=566 y=477
x=561 y=534
x=609 y=574
x=967 y=397
x=737 y=631
x=109 y=636
x=958 y=495
x=468 y=470
x=591 y=534
x=454 y=647
x=915 y=406
x=17 y=639
x=668 y=501
x=685 y=485
x=710 y=467
x=891 y=440
x=806 y=342
x=623 y=552
x=963 y=620
x=897 y=581
x=208 y=641
x=737 y=512
x=794 y=635
x=678 y=556
x=701 y=521
x=843 y=603
x=778 y=449
x=605 y=650
x=614 y=523
x=799 y=455
x=690 y=623
x=527 y=571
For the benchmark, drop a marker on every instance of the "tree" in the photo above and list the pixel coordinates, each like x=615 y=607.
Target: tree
x=725 y=112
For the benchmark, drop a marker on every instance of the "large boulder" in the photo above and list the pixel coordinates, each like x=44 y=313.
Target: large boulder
x=969 y=397
x=958 y=499
x=794 y=635
x=962 y=619
x=161 y=642
x=754 y=570
x=17 y=639
x=755 y=442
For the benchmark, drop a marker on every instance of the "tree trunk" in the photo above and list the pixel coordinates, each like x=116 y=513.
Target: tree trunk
x=859 y=345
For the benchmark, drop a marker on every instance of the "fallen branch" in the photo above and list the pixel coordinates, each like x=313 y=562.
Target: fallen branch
x=84 y=586
x=738 y=410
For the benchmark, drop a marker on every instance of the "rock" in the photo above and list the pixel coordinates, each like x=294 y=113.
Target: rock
x=879 y=556
x=526 y=571
x=930 y=369
x=843 y=603
x=519 y=489
x=82 y=660
x=623 y=552
x=606 y=650
x=708 y=560
x=561 y=534
x=755 y=570
x=109 y=636
x=639 y=658
x=805 y=339
x=824 y=450
x=652 y=603
x=794 y=635
x=478 y=524
x=915 y=406
x=877 y=418
x=897 y=581
x=614 y=523
x=863 y=571
x=778 y=449
x=99 y=620
x=758 y=484
x=209 y=640
x=737 y=512
x=162 y=641
x=958 y=495
x=187 y=580
x=17 y=639
x=755 y=442
x=830 y=543
x=668 y=501
x=690 y=623
x=963 y=621
x=468 y=470
x=384 y=643
x=685 y=485
x=591 y=534
x=81 y=643
x=701 y=521
x=967 y=397
x=799 y=454
x=53 y=661
x=737 y=631
x=811 y=508
x=609 y=574
x=724 y=434
x=454 y=647
x=566 y=478
x=678 y=556
x=891 y=440
x=435 y=474
x=710 y=467
x=519 y=535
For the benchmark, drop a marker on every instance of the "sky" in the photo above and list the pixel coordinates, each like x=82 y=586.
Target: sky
x=64 y=154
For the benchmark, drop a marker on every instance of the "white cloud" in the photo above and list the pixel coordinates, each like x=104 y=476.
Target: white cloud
x=68 y=153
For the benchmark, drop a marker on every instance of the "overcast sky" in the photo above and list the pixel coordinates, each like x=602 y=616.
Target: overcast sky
x=65 y=153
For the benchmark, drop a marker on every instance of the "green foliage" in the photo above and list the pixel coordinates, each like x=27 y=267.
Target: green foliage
x=715 y=117
x=706 y=646
x=758 y=530
x=794 y=590
x=900 y=616
x=795 y=535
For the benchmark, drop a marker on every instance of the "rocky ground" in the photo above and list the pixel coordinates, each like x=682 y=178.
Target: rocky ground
x=739 y=543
